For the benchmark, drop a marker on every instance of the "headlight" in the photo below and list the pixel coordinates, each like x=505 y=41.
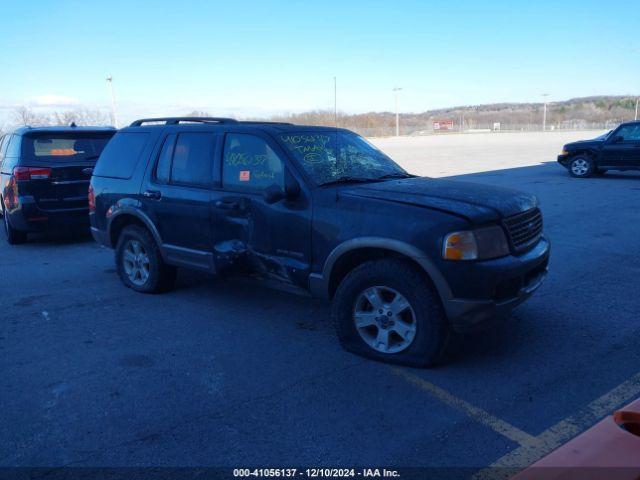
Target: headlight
x=564 y=152
x=481 y=244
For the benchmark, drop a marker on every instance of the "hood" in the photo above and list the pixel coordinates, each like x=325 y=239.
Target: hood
x=585 y=143
x=475 y=202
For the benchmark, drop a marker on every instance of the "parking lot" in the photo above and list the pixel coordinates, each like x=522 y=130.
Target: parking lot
x=231 y=373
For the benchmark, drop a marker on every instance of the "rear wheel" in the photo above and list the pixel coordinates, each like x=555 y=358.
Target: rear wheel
x=582 y=166
x=139 y=262
x=13 y=236
x=387 y=310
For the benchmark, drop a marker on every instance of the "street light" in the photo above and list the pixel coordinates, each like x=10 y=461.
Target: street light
x=395 y=91
x=113 y=101
x=544 y=114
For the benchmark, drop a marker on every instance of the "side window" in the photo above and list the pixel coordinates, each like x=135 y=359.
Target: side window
x=120 y=157
x=3 y=144
x=630 y=133
x=193 y=159
x=163 y=168
x=250 y=164
x=13 y=150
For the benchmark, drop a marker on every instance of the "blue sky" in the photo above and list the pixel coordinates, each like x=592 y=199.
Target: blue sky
x=257 y=58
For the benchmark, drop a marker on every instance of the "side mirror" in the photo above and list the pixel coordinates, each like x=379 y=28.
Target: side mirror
x=273 y=193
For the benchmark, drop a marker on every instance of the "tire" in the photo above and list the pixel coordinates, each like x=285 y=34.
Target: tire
x=13 y=236
x=431 y=330
x=581 y=166
x=139 y=263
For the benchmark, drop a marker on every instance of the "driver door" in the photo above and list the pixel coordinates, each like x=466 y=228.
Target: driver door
x=622 y=150
x=272 y=239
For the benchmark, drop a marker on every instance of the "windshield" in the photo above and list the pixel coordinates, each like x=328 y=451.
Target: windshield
x=330 y=157
x=63 y=147
x=604 y=136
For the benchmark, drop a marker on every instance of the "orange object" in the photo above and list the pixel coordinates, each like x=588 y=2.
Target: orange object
x=63 y=151
x=609 y=450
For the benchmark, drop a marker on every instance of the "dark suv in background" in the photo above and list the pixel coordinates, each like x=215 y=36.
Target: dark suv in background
x=617 y=150
x=404 y=259
x=44 y=177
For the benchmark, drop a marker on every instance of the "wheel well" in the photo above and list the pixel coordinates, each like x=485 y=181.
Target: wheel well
x=119 y=223
x=354 y=258
x=583 y=153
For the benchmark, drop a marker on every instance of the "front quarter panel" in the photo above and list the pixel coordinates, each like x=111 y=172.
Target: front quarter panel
x=343 y=222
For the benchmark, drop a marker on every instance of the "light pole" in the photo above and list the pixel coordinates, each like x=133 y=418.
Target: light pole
x=544 y=114
x=335 y=101
x=395 y=91
x=113 y=101
x=636 y=117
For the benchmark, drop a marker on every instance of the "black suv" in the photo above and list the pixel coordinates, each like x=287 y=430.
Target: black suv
x=404 y=259
x=44 y=177
x=617 y=150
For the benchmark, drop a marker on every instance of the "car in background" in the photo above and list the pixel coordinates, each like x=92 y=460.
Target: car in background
x=618 y=149
x=44 y=177
x=404 y=259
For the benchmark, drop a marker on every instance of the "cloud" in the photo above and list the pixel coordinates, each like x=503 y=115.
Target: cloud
x=51 y=100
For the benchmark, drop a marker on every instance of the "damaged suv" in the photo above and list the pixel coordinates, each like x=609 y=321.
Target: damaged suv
x=405 y=260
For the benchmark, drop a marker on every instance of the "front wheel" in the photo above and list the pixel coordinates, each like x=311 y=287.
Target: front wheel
x=581 y=167
x=387 y=310
x=139 y=262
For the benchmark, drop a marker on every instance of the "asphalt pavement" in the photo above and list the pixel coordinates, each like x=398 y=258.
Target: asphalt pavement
x=230 y=373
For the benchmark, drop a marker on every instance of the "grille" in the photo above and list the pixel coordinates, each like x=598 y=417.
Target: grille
x=524 y=229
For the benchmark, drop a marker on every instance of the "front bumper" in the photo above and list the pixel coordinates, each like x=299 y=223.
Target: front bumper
x=499 y=285
x=564 y=160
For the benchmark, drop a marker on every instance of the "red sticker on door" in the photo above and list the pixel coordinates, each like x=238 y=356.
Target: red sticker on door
x=245 y=175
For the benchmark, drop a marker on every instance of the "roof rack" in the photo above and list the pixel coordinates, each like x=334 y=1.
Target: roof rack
x=264 y=122
x=177 y=120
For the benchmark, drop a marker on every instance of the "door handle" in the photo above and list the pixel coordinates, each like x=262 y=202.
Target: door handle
x=153 y=194
x=227 y=205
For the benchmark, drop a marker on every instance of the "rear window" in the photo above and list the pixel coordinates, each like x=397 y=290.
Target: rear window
x=72 y=147
x=120 y=157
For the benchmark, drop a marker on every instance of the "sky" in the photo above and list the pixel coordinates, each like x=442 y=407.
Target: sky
x=258 y=58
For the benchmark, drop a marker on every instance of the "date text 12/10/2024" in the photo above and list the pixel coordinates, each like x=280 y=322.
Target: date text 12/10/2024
x=316 y=472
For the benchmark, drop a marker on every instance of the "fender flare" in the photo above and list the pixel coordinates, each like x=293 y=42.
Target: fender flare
x=120 y=210
x=319 y=283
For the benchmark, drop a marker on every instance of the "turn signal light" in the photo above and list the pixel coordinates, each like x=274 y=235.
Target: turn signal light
x=92 y=200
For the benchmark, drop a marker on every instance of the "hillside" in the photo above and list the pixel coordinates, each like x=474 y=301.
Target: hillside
x=576 y=113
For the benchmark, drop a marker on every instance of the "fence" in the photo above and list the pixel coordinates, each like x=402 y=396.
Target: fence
x=427 y=129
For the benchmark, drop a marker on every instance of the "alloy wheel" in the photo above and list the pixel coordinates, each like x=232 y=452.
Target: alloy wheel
x=136 y=263
x=580 y=167
x=384 y=319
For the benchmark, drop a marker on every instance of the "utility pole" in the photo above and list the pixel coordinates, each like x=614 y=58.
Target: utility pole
x=544 y=114
x=114 y=117
x=395 y=91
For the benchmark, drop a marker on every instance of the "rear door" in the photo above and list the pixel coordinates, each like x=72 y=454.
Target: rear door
x=66 y=161
x=622 y=149
x=177 y=196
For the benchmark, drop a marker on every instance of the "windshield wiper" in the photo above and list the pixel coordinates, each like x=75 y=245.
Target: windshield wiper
x=395 y=175
x=92 y=157
x=349 y=180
